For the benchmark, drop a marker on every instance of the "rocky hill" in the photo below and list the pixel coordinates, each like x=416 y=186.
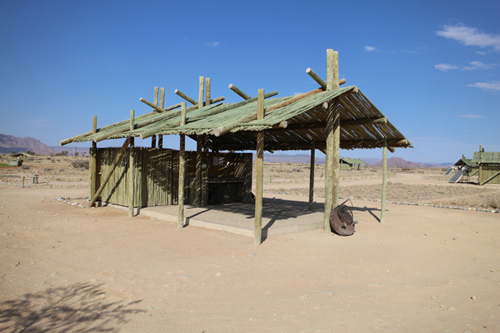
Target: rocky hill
x=10 y=143
x=398 y=162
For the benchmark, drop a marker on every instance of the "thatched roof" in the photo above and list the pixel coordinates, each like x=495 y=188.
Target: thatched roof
x=290 y=123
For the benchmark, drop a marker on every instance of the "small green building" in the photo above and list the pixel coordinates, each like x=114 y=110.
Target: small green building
x=348 y=163
x=489 y=166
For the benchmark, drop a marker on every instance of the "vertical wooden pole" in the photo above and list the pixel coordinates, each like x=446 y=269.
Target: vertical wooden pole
x=182 y=162
x=198 y=174
x=204 y=171
x=199 y=145
x=479 y=165
x=162 y=105
x=204 y=174
x=384 y=182
x=93 y=162
x=155 y=102
x=201 y=91
x=131 y=171
x=311 y=177
x=332 y=167
x=260 y=173
x=208 y=91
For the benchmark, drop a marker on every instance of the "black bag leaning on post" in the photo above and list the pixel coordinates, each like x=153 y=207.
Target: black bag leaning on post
x=342 y=220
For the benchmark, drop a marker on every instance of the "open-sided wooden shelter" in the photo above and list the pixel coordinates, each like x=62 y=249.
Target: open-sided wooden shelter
x=328 y=119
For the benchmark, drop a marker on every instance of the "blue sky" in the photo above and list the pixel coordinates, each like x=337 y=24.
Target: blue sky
x=432 y=67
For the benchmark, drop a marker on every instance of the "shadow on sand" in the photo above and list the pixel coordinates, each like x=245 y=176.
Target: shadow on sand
x=274 y=209
x=81 y=307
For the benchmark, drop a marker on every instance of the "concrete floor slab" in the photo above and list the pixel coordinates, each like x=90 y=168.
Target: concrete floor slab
x=279 y=217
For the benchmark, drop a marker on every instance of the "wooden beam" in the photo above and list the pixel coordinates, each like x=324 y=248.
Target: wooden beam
x=311 y=176
x=316 y=78
x=320 y=124
x=332 y=167
x=384 y=182
x=259 y=173
x=293 y=100
x=131 y=170
x=319 y=80
x=186 y=97
x=157 y=108
x=238 y=122
x=93 y=162
x=239 y=92
x=205 y=186
x=153 y=138
x=208 y=90
x=197 y=180
x=199 y=149
x=105 y=180
x=349 y=144
x=182 y=168
x=162 y=104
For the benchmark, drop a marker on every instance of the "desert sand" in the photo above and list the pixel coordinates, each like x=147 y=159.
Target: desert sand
x=426 y=269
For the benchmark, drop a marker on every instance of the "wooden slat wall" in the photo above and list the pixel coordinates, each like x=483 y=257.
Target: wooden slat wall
x=157 y=174
x=487 y=171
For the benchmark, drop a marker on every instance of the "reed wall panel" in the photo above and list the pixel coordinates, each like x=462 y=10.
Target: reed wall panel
x=156 y=174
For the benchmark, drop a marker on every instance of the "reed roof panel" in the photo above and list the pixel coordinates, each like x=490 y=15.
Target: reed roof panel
x=290 y=123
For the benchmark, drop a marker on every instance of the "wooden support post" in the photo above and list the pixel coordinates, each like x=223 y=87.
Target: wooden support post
x=239 y=92
x=384 y=182
x=110 y=172
x=208 y=91
x=201 y=91
x=311 y=177
x=204 y=171
x=182 y=168
x=199 y=150
x=155 y=101
x=198 y=175
x=260 y=173
x=162 y=103
x=479 y=164
x=131 y=170
x=332 y=167
x=93 y=162
x=204 y=174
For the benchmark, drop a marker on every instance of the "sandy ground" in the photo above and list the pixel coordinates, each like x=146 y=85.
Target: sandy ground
x=65 y=268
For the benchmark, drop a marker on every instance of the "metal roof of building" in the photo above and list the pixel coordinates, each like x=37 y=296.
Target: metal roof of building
x=486 y=157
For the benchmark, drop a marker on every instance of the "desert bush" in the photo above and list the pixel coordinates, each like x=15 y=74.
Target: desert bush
x=494 y=201
x=80 y=164
x=47 y=169
x=25 y=167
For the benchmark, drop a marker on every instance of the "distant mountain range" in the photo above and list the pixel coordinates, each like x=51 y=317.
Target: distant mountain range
x=9 y=143
x=396 y=162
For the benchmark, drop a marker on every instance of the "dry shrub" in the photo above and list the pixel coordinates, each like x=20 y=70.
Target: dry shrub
x=80 y=164
x=493 y=201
